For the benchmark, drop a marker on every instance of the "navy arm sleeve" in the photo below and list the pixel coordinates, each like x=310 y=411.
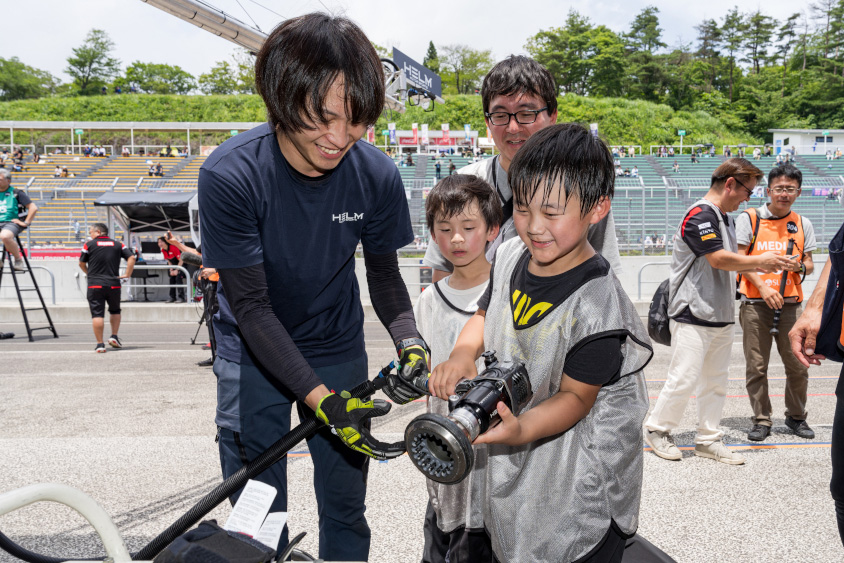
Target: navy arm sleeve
x=389 y=295
x=263 y=333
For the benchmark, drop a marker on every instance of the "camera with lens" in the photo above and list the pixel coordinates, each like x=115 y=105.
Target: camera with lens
x=441 y=446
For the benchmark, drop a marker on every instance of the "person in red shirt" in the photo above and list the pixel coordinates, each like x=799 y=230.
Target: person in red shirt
x=174 y=256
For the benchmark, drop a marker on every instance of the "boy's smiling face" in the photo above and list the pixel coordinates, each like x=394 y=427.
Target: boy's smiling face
x=462 y=238
x=554 y=230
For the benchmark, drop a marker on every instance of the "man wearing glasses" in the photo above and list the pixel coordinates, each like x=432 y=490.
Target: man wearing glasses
x=702 y=289
x=770 y=227
x=519 y=99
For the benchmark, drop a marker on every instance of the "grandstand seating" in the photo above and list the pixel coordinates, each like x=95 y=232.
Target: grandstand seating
x=652 y=204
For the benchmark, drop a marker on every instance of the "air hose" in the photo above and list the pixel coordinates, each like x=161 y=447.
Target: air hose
x=223 y=491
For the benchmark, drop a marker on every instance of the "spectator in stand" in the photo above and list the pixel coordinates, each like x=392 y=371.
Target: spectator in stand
x=57 y=172
x=125 y=152
x=635 y=172
x=173 y=255
x=676 y=167
x=757 y=154
x=151 y=170
x=10 y=224
x=409 y=160
x=438 y=170
x=159 y=170
x=36 y=158
x=64 y=172
x=631 y=152
x=728 y=152
x=670 y=152
x=829 y=155
x=86 y=151
x=451 y=167
x=100 y=260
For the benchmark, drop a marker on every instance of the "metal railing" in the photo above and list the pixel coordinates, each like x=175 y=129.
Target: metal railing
x=188 y=285
x=21 y=286
x=75 y=149
x=135 y=149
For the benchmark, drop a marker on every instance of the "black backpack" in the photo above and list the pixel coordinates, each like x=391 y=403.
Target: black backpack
x=658 y=316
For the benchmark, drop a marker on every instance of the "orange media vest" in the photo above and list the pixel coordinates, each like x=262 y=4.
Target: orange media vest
x=773 y=234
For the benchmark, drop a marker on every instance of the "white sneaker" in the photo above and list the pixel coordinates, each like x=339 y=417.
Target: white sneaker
x=19 y=265
x=663 y=445
x=719 y=452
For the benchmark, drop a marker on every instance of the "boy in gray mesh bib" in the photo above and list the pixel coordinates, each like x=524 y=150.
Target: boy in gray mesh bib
x=463 y=214
x=563 y=479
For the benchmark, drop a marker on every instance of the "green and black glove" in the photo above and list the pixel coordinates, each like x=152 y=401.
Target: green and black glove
x=414 y=369
x=347 y=419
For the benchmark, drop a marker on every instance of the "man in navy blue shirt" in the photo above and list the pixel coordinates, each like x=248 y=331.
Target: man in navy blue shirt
x=283 y=208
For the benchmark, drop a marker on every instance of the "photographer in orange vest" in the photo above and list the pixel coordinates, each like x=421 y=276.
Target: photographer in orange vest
x=767 y=303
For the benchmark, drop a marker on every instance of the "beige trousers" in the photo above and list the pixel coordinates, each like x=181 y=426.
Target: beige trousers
x=756 y=320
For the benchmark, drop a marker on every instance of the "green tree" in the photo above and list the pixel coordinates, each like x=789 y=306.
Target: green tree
x=563 y=51
x=431 y=60
x=759 y=30
x=91 y=65
x=219 y=80
x=645 y=32
x=464 y=67
x=732 y=38
x=19 y=81
x=709 y=36
x=244 y=69
x=785 y=36
x=153 y=78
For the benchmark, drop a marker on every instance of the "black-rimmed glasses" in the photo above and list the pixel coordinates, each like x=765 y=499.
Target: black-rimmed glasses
x=523 y=117
x=749 y=191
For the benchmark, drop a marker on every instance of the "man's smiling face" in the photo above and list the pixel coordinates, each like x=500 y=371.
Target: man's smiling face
x=510 y=138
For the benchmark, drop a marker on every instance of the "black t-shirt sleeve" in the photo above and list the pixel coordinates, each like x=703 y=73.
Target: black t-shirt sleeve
x=83 y=256
x=483 y=302
x=701 y=231
x=598 y=362
x=126 y=252
x=264 y=335
x=23 y=199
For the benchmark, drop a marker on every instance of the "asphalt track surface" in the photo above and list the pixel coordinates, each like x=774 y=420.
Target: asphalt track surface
x=134 y=429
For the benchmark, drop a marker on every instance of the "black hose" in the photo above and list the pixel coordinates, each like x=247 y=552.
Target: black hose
x=223 y=491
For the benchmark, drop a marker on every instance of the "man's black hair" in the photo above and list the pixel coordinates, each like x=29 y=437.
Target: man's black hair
x=100 y=227
x=454 y=193
x=564 y=154
x=300 y=61
x=789 y=171
x=518 y=74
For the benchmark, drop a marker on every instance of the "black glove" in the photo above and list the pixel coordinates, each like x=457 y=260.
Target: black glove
x=347 y=416
x=411 y=381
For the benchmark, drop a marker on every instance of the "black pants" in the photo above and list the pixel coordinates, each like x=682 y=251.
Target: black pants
x=174 y=281
x=836 y=485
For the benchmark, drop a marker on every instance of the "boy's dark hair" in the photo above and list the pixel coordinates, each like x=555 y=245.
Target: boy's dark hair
x=101 y=227
x=565 y=154
x=518 y=74
x=300 y=60
x=452 y=194
x=789 y=171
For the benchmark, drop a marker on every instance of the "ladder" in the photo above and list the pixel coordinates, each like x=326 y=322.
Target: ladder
x=7 y=256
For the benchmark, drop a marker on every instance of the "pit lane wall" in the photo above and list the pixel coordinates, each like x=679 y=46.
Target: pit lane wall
x=71 y=304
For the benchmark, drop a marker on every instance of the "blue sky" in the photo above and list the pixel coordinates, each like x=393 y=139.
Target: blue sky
x=43 y=32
